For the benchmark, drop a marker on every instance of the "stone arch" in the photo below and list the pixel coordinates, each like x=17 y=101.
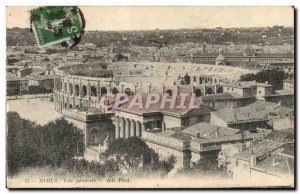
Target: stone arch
x=114 y=90
x=93 y=91
x=187 y=79
x=103 y=91
x=84 y=90
x=77 y=106
x=220 y=90
x=198 y=92
x=71 y=89
x=70 y=106
x=209 y=91
x=76 y=90
x=169 y=91
x=128 y=91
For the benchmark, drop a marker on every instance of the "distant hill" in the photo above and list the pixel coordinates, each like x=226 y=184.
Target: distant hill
x=276 y=35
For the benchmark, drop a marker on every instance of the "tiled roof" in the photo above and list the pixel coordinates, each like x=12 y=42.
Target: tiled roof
x=255 y=111
x=277 y=164
x=13 y=77
x=282 y=135
x=206 y=130
x=259 y=149
x=223 y=96
x=247 y=84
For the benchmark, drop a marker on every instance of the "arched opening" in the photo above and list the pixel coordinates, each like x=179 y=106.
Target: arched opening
x=65 y=87
x=170 y=92
x=114 y=91
x=71 y=89
x=220 y=90
x=77 y=106
x=76 y=90
x=103 y=91
x=198 y=92
x=128 y=91
x=209 y=91
x=70 y=106
x=93 y=91
x=84 y=91
x=66 y=106
x=187 y=79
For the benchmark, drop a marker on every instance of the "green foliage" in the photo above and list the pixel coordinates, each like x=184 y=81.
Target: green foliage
x=273 y=77
x=166 y=165
x=29 y=144
x=120 y=57
x=60 y=140
x=207 y=167
x=206 y=164
x=84 y=168
x=130 y=153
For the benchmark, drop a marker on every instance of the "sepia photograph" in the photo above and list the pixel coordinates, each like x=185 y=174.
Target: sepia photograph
x=150 y=97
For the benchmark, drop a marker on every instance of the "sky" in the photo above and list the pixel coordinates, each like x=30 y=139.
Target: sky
x=150 y=18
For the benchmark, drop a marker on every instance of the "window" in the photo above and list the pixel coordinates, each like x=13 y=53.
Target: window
x=259 y=92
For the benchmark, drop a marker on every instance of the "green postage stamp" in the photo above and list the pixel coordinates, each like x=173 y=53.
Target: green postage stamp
x=57 y=24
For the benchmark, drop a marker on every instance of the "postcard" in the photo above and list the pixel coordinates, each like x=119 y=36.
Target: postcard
x=141 y=97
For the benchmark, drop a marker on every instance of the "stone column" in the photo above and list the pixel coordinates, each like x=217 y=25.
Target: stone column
x=137 y=129
x=88 y=89
x=163 y=126
x=122 y=128
x=98 y=89
x=117 y=128
x=87 y=138
x=143 y=127
x=127 y=128
x=216 y=88
x=73 y=85
x=132 y=125
x=80 y=89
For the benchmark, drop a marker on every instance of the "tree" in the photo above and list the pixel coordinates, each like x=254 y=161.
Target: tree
x=130 y=153
x=274 y=77
x=121 y=57
x=207 y=166
x=60 y=140
x=21 y=143
x=29 y=144
x=166 y=165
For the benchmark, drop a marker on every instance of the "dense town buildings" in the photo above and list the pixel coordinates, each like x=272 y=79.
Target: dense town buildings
x=233 y=121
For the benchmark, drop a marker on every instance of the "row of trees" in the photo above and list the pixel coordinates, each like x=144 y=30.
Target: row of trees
x=57 y=144
x=273 y=77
